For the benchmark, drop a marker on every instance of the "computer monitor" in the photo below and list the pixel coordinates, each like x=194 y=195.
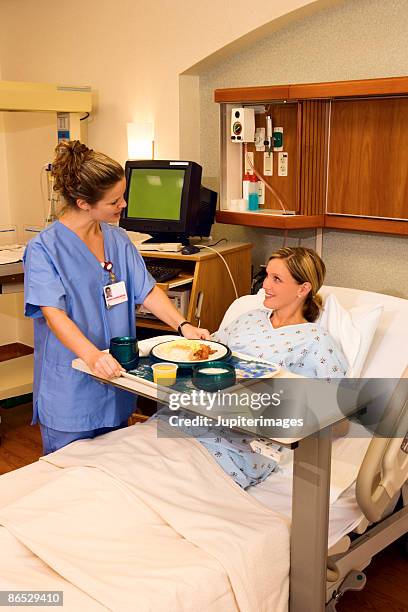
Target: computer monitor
x=165 y=199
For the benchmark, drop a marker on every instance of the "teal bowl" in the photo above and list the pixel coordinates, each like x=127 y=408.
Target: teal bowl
x=213 y=376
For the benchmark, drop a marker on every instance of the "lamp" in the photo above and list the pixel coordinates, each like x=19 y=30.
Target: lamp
x=140 y=139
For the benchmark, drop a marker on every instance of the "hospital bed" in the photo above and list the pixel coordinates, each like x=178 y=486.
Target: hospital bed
x=383 y=472
x=363 y=506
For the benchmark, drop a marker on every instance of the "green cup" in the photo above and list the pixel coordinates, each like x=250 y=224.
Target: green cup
x=125 y=350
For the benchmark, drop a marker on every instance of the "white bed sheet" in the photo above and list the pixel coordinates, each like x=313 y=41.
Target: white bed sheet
x=345 y=514
x=275 y=492
x=145 y=471
x=21 y=570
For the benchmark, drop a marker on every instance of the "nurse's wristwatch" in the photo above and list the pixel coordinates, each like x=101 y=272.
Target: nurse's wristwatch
x=179 y=328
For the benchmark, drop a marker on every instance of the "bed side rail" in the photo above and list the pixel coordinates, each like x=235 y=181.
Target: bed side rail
x=385 y=466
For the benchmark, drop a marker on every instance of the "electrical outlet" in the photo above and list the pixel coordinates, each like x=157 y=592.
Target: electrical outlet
x=282 y=164
x=268 y=164
x=248 y=169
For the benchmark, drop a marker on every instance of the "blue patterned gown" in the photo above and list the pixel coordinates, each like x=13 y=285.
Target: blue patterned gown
x=305 y=349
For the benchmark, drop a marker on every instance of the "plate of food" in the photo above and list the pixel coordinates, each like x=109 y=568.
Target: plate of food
x=186 y=352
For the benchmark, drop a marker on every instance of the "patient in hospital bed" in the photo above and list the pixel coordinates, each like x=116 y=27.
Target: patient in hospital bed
x=283 y=332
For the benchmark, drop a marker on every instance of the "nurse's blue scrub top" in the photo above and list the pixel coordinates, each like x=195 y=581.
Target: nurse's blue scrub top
x=61 y=271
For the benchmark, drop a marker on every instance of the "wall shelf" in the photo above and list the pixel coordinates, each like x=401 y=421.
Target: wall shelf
x=269 y=220
x=150 y=323
x=365 y=224
x=296 y=222
x=19 y=96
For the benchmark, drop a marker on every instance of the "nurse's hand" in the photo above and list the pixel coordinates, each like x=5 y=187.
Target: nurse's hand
x=195 y=333
x=104 y=365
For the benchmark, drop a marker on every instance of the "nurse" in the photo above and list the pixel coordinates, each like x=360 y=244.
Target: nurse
x=68 y=267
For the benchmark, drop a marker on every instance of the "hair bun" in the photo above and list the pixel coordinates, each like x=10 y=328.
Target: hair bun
x=78 y=148
x=73 y=148
x=81 y=173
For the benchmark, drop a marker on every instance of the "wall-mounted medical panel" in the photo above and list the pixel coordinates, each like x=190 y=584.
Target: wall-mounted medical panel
x=286 y=183
x=339 y=157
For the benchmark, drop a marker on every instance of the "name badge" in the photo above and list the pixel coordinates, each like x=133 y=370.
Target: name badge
x=115 y=294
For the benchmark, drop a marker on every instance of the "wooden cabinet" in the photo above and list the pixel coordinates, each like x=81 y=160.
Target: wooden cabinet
x=347 y=144
x=368 y=153
x=211 y=288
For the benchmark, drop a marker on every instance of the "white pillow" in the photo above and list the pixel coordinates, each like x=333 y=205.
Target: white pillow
x=352 y=329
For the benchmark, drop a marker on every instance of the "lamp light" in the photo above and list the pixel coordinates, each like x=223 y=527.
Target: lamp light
x=140 y=139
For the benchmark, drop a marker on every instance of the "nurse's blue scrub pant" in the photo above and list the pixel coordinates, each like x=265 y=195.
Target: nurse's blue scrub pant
x=53 y=439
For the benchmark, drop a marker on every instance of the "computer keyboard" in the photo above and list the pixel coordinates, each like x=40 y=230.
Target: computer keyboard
x=162 y=273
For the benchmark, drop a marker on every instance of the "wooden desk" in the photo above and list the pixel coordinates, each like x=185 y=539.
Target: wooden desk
x=205 y=274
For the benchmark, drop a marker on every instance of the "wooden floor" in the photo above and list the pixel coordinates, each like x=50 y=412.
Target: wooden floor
x=20 y=442
x=387 y=576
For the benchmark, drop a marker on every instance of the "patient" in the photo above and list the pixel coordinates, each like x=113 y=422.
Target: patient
x=289 y=335
x=284 y=332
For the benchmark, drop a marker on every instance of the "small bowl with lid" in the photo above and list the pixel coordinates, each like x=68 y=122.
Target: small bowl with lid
x=213 y=376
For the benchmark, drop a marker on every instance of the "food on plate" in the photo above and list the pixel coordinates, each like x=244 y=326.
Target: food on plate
x=203 y=352
x=186 y=350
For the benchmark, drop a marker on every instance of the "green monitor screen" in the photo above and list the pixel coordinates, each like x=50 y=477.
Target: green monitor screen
x=155 y=193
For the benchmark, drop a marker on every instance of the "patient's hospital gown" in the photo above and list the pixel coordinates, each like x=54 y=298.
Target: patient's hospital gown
x=305 y=349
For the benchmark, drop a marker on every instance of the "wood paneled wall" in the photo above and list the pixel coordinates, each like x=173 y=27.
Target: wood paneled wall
x=368 y=158
x=313 y=159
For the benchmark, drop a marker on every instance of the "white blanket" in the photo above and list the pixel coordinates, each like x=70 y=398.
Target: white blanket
x=157 y=523
x=21 y=570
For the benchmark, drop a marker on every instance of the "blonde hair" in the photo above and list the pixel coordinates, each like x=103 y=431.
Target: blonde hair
x=305 y=266
x=81 y=173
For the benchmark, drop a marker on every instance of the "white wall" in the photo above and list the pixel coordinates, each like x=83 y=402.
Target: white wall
x=131 y=52
x=355 y=40
x=8 y=320
x=4 y=192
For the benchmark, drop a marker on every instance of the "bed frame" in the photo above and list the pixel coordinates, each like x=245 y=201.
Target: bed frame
x=384 y=471
x=379 y=486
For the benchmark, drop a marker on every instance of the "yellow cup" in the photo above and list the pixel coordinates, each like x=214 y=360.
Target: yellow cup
x=164 y=374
